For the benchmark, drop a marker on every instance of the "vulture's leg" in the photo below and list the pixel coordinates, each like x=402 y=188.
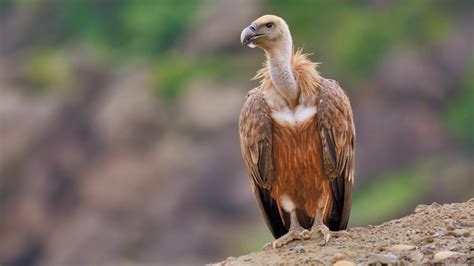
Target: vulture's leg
x=296 y=232
x=319 y=229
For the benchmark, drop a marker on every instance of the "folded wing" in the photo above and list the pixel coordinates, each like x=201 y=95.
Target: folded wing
x=255 y=127
x=337 y=132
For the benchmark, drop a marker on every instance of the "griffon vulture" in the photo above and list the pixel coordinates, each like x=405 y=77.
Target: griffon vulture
x=297 y=138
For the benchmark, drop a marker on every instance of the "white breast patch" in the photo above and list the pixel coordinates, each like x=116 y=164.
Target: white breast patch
x=299 y=115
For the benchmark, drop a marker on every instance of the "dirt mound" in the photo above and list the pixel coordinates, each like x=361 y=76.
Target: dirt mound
x=435 y=233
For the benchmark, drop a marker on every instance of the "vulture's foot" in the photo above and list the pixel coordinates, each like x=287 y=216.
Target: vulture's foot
x=294 y=234
x=320 y=231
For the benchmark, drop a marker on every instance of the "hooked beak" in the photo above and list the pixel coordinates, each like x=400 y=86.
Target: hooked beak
x=249 y=34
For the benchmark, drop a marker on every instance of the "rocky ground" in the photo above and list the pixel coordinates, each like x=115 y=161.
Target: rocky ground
x=432 y=234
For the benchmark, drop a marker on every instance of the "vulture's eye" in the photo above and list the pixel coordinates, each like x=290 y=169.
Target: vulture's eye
x=269 y=25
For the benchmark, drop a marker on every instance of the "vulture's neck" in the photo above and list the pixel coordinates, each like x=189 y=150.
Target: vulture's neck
x=281 y=72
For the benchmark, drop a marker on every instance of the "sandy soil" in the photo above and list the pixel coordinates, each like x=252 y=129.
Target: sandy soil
x=431 y=234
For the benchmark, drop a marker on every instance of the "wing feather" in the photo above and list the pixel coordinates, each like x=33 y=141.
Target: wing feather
x=255 y=127
x=337 y=132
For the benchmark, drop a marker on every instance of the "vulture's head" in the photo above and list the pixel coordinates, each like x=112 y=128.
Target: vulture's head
x=267 y=32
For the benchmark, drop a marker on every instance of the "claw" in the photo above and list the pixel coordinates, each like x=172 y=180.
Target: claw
x=319 y=231
x=305 y=234
x=295 y=234
x=276 y=244
x=268 y=246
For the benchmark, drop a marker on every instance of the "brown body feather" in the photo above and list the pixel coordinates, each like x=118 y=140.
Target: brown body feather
x=298 y=170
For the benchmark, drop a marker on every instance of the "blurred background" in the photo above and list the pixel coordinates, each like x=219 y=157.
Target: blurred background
x=118 y=120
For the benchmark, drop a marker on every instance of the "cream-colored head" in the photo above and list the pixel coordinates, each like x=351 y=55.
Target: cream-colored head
x=268 y=32
x=271 y=34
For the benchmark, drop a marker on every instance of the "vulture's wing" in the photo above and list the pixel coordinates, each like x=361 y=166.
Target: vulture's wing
x=337 y=132
x=255 y=128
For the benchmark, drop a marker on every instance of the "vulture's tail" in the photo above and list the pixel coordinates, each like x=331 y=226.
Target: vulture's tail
x=338 y=216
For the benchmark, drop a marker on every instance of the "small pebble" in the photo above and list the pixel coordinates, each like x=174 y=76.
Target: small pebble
x=401 y=248
x=429 y=247
x=392 y=256
x=442 y=244
x=382 y=259
x=461 y=232
x=420 y=208
x=450 y=227
x=442 y=255
x=415 y=256
x=454 y=248
x=428 y=239
x=468 y=224
x=299 y=249
x=344 y=263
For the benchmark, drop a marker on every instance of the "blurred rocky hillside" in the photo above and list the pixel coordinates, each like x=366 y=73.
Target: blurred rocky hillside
x=118 y=120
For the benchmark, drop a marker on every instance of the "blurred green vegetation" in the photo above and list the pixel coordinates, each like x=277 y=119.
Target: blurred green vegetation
x=171 y=80
x=392 y=195
x=377 y=201
x=48 y=69
x=355 y=37
x=143 y=28
x=254 y=239
x=460 y=113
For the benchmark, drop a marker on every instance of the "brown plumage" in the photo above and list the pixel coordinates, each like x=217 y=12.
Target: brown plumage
x=297 y=139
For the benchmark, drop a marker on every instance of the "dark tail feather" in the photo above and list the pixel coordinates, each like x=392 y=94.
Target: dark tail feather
x=341 y=204
x=271 y=213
